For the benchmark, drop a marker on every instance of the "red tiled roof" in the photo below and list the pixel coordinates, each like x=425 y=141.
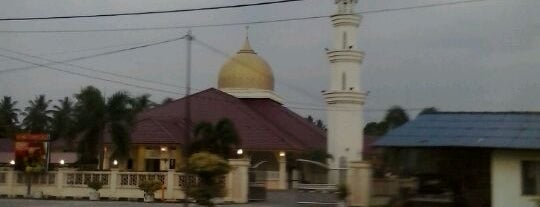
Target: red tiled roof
x=261 y=123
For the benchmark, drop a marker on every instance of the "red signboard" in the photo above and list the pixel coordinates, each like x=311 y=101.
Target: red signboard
x=30 y=150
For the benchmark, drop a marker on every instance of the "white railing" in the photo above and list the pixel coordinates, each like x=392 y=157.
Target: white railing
x=42 y=179
x=117 y=184
x=82 y=178
x=133 y=179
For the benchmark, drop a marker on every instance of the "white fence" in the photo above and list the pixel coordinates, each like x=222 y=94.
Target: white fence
x=69 y=183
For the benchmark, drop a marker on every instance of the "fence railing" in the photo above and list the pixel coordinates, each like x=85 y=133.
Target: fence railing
x=133 y=179
x=117 y=184
x=82 y=178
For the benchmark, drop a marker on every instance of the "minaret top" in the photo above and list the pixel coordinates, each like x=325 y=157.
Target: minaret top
x=346 y=6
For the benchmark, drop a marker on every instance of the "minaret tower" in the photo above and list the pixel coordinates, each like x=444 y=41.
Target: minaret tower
x=345 y=99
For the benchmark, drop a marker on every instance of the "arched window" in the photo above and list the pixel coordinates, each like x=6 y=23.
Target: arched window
x=345 y=40
x=343 y=81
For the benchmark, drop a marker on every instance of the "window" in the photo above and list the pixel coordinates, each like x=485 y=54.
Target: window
x=343 y=81
x=344 y=40
x=530 y=177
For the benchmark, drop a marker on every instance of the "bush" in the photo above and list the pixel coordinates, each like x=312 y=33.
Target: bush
x=209 y=168
x=150 y=186
x=342 y=191
x=96 y=185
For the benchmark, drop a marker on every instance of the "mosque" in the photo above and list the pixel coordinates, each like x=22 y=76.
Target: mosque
x=269 y=131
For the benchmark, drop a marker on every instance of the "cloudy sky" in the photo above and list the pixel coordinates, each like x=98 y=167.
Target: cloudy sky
x=481 y=56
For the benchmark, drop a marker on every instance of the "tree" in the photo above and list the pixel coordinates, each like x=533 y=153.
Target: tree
x=395 y=117
x=37 y=115
x=429 y=110
x=8 y=117
x=63 y=119
x=318 y=123
x=219 y=139
x=209 y=168
x=140 y=103
x=167 y=100
x=376 y=129
x=95 y=117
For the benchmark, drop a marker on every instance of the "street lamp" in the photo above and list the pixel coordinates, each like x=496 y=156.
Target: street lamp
x=239 y=152
x=115 y=162
x=62 y=162
x=12 y=162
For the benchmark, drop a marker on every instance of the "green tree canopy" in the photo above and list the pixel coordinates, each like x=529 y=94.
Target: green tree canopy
x=63 y=122
x=395 y=117
x=8 y=117
x=429 y=110
x=221 y=138
x=95 y=116
x=141 y=103
x=37 y=116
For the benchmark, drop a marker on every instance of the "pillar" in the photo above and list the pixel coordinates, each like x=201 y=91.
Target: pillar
x=236 y=183
x=114 y=180
x=169 y=193
x=139 y=160
x=10 y=181
x=282 y=171
x=359 y=183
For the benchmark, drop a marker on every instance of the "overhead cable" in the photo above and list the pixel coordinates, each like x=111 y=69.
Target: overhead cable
x=146 y=12
x=235 y=23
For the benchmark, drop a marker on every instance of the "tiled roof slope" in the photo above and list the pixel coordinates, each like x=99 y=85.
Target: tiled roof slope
x=505 y=130
x=164 y=124
x=286 y=121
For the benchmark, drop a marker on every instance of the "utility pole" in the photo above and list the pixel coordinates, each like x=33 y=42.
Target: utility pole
x=187 y=121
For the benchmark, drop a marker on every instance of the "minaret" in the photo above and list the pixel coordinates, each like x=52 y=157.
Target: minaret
x=344 y=98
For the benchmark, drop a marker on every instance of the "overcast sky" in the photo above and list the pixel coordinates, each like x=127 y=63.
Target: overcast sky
x=481 y=56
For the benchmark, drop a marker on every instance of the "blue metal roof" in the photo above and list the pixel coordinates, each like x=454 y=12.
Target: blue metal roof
x=512 y=130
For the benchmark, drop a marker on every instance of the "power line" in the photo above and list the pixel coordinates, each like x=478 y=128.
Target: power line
x=237 y=23
x=147 y=12
x=86 y=75
x=92 y=69
x=173 y=92
x=95 y=55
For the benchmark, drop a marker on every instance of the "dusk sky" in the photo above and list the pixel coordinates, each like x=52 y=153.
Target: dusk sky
x=478 y=56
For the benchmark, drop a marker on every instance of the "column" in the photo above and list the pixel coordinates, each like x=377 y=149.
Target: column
x=60 y=178
x=169 y=193
x=10 y=181
x=113 y=182
x=237 y=181
x=359 y=183
x=139 y=161
x=282 y=171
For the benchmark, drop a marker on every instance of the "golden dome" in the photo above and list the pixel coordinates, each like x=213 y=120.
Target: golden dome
x=246 y=70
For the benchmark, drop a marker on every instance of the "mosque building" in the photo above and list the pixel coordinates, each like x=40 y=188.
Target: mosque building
x=269 y=131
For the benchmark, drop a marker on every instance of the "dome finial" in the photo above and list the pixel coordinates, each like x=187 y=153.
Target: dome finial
x=246 y=48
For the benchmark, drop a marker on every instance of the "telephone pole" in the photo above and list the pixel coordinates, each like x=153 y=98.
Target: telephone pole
x=187 y=121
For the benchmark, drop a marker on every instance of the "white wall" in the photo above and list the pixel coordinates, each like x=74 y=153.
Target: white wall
x=506 y=178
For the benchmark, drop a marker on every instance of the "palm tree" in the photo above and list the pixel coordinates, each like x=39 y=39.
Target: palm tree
x=62 y=126
x=8 y=117
x=95 y=117
x=140 y=103
x=37 y=115
x=219 y=139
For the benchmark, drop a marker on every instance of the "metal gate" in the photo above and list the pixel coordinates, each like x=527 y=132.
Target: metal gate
x=324 y=191
x=257 y=184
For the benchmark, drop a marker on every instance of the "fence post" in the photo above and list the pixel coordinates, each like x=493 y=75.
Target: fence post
x=61 y=173
x=359 y=183
x=282 y=173
x=114 y=180
x=10 y=181
x=170 y=185
x=238 y=189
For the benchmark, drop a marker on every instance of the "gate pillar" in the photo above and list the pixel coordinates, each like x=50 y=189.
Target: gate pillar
x=359 y=183
x=236 y=182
